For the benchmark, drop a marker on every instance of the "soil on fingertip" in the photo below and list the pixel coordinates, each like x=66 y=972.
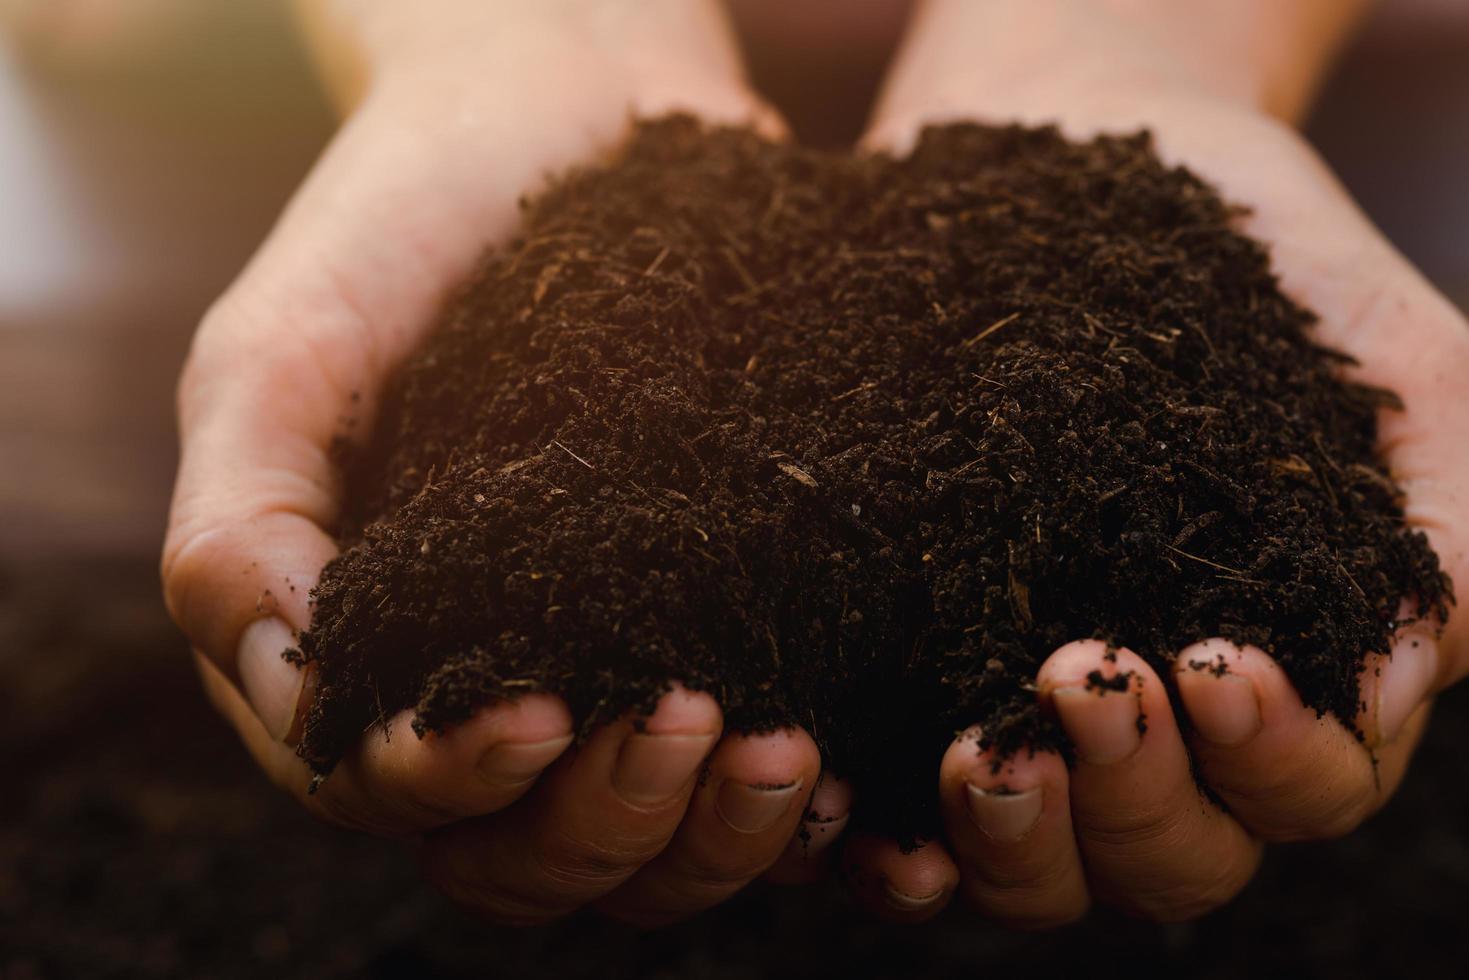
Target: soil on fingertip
x=854 y=443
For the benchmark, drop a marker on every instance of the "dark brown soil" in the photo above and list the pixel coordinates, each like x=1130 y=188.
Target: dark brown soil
x=138 y=839
x=855 y=443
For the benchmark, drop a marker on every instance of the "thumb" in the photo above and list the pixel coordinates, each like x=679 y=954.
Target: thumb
x=284 y=364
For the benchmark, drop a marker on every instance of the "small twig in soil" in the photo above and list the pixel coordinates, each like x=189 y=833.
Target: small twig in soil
x=653 y=266
x=557 y=443
x=864 y=386
x=1002 y=322
x=1205 y=561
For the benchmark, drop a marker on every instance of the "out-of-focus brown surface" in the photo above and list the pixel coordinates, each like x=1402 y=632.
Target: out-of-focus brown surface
x=167 y=154
x=135 y=837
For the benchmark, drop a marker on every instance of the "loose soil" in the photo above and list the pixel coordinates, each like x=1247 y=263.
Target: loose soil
x=138 y=838
x=854 y=443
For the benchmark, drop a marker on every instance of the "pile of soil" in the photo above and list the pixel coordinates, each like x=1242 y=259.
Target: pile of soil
x=855 y=443
x=147 y=843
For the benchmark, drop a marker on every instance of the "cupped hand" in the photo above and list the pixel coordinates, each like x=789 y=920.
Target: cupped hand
x=461 y=112
x=1030 y=842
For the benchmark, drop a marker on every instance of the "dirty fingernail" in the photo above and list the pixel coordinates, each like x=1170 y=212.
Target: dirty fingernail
x=271 y=684
x=751 y=809
x=1003 y=815
x=1102 y=724
x=1225 y=710
x=510 y=763
x=826 y=814
x=904 y=902
x=652 y=769
x=1405 y=682
x=822 y=831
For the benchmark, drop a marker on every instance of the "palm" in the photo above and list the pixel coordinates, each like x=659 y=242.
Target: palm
x=1371 y=303
x=427 y=172
x=1128 y=828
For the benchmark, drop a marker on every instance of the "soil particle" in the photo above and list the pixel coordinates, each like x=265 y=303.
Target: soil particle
x=855 y=443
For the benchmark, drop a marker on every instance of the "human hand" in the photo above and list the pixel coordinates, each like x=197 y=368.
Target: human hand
x=458 y=115
x=1128 y=826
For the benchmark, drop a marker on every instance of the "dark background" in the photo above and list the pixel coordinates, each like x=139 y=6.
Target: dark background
x=139 y=166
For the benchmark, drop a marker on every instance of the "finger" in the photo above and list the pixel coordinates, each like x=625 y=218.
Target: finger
x=278 y=760
x=1284 y=771
x=1371 y=303
x=292 y=357
x=899 y=886
x=808 y=854
x=1394 y=686
x=397 y=784
x=599 y=814
x=1008 y=823
x=1406 y=338
x=281 y=367
x=739 y=821
x=1152 y=843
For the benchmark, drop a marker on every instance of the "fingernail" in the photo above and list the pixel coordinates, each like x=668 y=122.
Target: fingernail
x=510 y=763
x=1005 y=816
x=821 y=831
x=1406 y=679
x=1103 y=724
x=904 y=902
x=751 y=809
x=270 y=683
x=826 y=814
x=1225 y=710
x=653 y=769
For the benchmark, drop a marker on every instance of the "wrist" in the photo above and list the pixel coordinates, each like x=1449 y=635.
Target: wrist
x=645 y=49
x=1037 y=58
x=1268 y=54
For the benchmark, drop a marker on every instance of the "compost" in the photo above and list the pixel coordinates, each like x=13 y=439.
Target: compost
x=854 y=442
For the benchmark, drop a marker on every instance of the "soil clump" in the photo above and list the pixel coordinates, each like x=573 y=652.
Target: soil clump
x=854 y=443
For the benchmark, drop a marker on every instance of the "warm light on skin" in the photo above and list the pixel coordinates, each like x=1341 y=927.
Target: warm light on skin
x=1270 y=53
x=399 y=207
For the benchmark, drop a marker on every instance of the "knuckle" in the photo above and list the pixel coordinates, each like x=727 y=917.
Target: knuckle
x=581 y=864
x=225 y=340
x=1131 y=833
x=1315 y=802
x=421 y=791
x=1194 y=899
x=287 y=353
x=1335 y=813
x=193 y=552
x=1177 y=894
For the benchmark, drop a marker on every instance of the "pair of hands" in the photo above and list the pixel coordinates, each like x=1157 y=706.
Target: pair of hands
x=465 y=110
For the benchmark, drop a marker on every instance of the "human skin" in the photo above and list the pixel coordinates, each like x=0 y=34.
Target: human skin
x=454 y=114
x=453 y=117
x=1035 y=843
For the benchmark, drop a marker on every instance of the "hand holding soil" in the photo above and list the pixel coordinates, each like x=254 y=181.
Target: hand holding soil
x=521 y=826
x=1125 y=825
x=455 y=123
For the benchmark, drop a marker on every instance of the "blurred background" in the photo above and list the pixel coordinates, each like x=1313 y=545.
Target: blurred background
x=145 y=148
